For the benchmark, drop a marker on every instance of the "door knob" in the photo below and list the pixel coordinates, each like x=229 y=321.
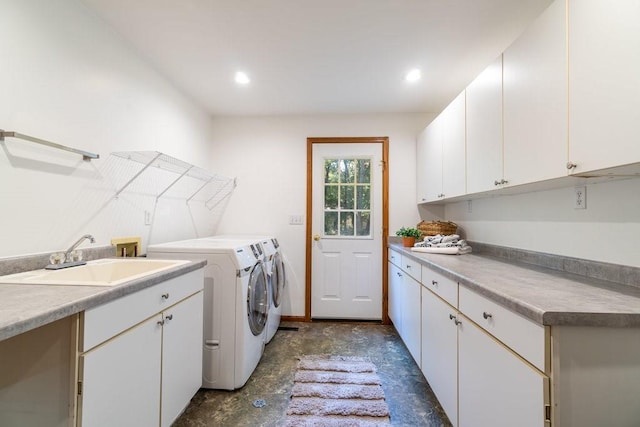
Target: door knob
x=316 y=237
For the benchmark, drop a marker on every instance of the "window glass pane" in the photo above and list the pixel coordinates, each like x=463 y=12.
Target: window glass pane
x=364 y=171
x=331 y=197
x=331 y=223
x=331 y=171
x=346 y=196
x=363 y=224
x=347 y=170
x=363 y=197
x=346 y=223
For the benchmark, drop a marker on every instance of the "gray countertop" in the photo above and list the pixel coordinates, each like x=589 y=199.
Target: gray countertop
x=25 y=307
x=546 y=296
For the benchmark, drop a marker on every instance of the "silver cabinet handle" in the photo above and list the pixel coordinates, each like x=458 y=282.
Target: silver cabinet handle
x=399 y=274
x=457 y=322
x=486 y=315
x=160 y=322
x=571 y=165
x=496 y=182
x=168 y=317
x=451 y=317
x=434 y=283
x=408 y=266
x=165 y=296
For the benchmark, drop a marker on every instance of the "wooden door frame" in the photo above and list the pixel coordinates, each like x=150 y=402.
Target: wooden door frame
x=384 y=140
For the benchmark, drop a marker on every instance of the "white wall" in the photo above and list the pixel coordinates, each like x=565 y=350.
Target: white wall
x=546 y=221
x=268 y=155
x=68 y=78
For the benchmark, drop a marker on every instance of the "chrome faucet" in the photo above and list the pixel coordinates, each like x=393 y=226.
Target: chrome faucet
x=67 y=254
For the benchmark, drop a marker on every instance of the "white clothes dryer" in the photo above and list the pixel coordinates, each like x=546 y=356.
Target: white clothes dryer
x=276 y=276
x=236 y=306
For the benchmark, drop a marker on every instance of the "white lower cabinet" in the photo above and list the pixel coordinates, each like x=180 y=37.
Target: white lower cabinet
x=478 y=380
x=142 y=371
x=404 y=303
x=496 y=387
x=411 y=316
x=121 y=381
x=181 y=365
x=440 y=351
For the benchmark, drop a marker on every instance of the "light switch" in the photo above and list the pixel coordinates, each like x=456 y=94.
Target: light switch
x=296 y=219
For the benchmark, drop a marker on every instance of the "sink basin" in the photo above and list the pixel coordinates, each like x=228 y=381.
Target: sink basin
x=103 y=272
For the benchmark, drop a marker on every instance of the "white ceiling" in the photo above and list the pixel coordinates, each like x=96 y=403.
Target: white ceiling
x=319 y=56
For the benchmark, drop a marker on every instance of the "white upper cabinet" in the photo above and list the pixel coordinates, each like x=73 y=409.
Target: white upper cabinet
x=535 y=100
x=484 y=130
x=604 y=83
x=440 y=151
x=453 y=148
x=421 y=166
x=430 y=162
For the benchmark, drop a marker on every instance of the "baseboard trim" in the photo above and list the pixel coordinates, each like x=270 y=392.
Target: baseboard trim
x=292 y=319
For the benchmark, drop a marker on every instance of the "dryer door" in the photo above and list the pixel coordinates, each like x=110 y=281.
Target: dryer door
x=258 y=299
x=277 y=279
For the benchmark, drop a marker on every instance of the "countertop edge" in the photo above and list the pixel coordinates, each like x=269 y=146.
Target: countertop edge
x=84 y=303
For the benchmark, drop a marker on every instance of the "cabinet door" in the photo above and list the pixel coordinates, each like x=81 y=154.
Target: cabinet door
x=121 y=379
x=604 y=94
x=432 y=164
x=411 y=316
x=395 y=287
x=421 y=167
x=453 y=148
x=440 y=352
x=181 y=356
x=535 y=100
x=484 y=129
x=496 y=388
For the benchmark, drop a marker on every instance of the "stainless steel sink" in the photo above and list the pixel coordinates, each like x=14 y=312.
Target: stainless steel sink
x=103 y=272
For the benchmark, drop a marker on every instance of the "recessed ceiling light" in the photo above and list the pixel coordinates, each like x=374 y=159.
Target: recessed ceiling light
x=413 y=75
x=242 y=78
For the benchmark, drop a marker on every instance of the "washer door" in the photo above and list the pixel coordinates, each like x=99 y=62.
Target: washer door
x=277 y=279
x=258 y=299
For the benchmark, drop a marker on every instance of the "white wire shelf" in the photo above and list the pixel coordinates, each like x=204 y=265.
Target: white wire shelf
x=178 y=167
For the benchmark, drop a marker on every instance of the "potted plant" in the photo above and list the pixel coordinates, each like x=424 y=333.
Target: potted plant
x=409 y=235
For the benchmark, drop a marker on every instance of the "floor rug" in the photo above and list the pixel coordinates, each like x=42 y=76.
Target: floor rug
x=336 y=391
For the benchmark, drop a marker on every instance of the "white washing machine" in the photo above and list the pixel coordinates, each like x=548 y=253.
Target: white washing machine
x=278 y=282
x=276 y=276
x=236 y=306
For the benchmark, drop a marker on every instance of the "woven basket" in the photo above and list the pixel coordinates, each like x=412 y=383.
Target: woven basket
x=432 y=228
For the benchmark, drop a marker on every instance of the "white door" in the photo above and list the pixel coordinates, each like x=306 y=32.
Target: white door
x=346 y=271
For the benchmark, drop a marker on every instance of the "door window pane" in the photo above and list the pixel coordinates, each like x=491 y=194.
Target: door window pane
x=347 y=171
x=331 y=171
x=347 y=197
x=363 y=224
x=364 y=170
x=331 y=197
x=346 y=223
x=363 y=197
x=331 y=223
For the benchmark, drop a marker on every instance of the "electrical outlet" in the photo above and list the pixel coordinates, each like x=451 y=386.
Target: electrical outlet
x=580 y=198
x=147 y=218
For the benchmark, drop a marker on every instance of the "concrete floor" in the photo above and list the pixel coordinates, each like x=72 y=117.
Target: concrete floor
x=410 y=400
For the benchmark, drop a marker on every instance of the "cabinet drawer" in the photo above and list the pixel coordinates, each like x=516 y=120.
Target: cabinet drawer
x=394 y=257
x=444 y=287
x=412 y=268
x=103 y=322
x=520 y=334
